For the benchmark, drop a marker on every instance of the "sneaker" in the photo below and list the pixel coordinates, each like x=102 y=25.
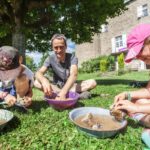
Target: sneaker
x=85 y=95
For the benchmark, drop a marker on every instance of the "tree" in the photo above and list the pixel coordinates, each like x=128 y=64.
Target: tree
x=44 y=56
x=29 y=24
x=30 y=63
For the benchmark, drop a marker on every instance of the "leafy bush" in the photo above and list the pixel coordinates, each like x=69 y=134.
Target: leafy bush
x=90 y=66
x=93 y=65
x=103 y=65
x=111 y=63
x=121 y=61
x=121 y=64
x=30 y=63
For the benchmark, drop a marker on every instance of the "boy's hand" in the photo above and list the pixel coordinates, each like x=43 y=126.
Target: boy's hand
x=3 y=94
x=27 y=101
x=10 y=100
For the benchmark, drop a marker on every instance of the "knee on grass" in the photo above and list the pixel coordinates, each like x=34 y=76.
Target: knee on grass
x=145 y=121
x=89 y=84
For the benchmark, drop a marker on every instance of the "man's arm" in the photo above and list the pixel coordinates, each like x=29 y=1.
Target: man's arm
x=71 y=80
x=46 y=87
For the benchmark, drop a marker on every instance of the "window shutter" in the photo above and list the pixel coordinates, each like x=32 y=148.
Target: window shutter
x=124 y=39
x=139 y=11
x=104 y=28
x=113 y=45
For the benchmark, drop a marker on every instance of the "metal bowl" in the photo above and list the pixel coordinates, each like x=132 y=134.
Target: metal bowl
x=62 y=104
x=5 y=115
x=75 y=113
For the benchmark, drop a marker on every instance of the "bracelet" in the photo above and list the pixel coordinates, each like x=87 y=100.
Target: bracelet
x=128 y=96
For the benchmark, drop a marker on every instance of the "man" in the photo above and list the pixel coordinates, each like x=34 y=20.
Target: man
x=65 y=71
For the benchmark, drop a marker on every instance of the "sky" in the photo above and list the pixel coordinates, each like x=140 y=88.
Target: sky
x=36 y=56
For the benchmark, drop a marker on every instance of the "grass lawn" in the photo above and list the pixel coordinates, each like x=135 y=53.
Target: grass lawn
x=44 y=128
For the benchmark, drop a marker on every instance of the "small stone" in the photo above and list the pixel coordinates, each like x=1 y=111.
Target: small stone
x=96 y=126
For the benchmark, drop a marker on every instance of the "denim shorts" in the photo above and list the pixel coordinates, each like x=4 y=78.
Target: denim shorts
x=11 y=90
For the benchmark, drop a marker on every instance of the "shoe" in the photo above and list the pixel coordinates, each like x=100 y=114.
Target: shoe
x=85 y=95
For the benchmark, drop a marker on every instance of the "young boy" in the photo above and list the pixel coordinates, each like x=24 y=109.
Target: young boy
x=14 y=78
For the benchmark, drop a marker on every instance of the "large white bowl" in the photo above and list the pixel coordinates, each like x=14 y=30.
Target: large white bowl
x=5 y=115
x=75 y=113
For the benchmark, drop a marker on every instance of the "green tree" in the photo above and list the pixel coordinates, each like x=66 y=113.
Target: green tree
x=44 y=56
x=30 y=63
x=121 y=61
x=29 y=24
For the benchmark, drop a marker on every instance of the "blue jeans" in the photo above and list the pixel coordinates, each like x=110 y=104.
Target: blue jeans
x=11 y=91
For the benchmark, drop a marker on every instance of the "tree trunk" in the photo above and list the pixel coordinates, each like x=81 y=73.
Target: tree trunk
x=18 y=41
x=18 y=37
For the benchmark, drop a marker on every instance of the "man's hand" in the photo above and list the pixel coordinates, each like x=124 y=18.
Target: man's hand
x=60 y=96
x=10 y=100
x=47 y=88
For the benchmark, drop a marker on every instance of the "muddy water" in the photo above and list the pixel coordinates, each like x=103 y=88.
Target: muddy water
x=104 y=122
x=2 y=121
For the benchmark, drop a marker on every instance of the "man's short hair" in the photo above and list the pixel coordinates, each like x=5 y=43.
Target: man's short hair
x=59 y=36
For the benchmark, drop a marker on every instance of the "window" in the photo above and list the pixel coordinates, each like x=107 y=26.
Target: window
x=142 y=11
x=104 y=28
x=145 y=10
x=119 y=43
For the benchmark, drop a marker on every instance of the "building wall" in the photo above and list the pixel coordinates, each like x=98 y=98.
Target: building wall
x=117 y=26
x=87 y=51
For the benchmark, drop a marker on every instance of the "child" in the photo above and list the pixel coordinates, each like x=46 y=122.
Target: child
x=137 y=103
x=11 y=73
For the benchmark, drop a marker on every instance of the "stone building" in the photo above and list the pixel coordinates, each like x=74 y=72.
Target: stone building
x=112 y=40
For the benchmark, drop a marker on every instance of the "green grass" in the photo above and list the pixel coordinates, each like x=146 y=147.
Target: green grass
x=44 y=128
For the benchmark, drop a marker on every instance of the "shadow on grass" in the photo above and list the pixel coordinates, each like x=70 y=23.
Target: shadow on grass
x=37 y=105
x=120 y=81
x=10 y=126
x=132 y=123
x=79 y=104
x=41 y=104
x=95 y=95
